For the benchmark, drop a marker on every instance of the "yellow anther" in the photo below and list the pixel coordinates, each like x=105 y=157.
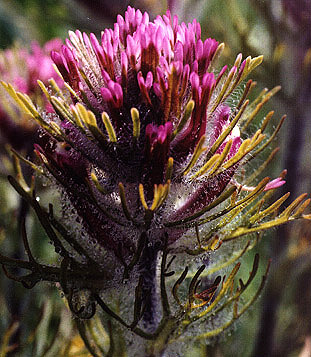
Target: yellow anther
x=136 y=122
x=109 y=128
x=185 y=118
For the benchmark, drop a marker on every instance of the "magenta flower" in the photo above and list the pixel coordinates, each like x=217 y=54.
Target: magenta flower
x=23 y=68
x=149 y=148
x=149 y=141
x=138 y=83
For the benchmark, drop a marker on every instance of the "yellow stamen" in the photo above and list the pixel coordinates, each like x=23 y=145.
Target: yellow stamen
x=109 y=127
x=136 y=122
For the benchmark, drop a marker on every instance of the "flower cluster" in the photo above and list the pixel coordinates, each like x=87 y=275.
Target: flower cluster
x=148 y=147
x=23 y=68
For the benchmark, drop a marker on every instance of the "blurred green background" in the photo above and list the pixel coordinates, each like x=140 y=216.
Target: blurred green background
x=280 y=322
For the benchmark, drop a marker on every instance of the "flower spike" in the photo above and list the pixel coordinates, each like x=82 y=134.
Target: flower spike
x=149 y=149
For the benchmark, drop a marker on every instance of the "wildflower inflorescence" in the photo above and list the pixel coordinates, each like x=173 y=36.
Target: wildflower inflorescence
x=23 y=68
x=150 y=155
